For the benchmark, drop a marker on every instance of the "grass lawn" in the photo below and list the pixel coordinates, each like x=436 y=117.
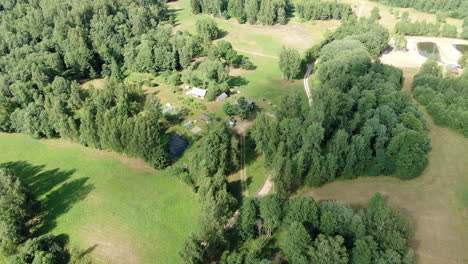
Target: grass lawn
x=436 y=202
x=262 y=45
x=118 y=208
x=364 y=8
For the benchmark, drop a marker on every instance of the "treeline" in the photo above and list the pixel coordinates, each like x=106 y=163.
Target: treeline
x=446 y=99
x=19 y=215
x=373 y=35
x=452 y=8
x=360 y=124
x=330 y=232
x=44 y=47
x=406 y=27
x=322 y=10
x=217 y=157
x=267 y=12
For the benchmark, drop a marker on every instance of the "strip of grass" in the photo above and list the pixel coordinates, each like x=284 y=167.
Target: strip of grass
x=119 y=208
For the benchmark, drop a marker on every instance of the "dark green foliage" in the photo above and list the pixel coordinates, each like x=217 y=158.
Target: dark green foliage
x=40 y=250
x=216 y=158
x=406 y=27
x=267 y=12
x=302 y=210
x=383 y=239
x=248 y=219
x=375 y=14
x=445 y=98
x=15 y=212
x=322 y=10
x=296 y=243
x=207 y=29
x=289 y=63
x=452 y=8
x=271 y=211
x=373 y=35
x=360 y=124
x=328 y=250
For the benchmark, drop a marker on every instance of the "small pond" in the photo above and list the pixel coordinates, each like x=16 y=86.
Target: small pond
x=462 y=48
x=428 y=49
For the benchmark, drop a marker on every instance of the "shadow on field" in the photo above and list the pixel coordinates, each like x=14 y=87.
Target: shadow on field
x=52 y=188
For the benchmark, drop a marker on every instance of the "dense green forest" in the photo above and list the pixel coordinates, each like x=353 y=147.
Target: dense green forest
x=446 y=99
x=304 y=231
x=407 y=27
x=360 y=123
x=46 y=47
x=267 y=12
x=322 y=10
x=453 y=8
x=216 y=157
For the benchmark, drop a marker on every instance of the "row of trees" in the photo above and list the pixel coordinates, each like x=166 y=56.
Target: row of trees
x=216 y=158
x=17 y=209
x=406 y=27
x=373 y=35
x=267 y=12
x=360 y=124
x=330 y=232
x=44 y=47
x=322 y=10
x=445 y=98
x=453 y=8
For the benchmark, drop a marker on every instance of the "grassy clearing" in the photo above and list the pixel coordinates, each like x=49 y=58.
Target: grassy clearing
x=117 y=207
x=435 y=202
x=364 y=8
x=262 y=44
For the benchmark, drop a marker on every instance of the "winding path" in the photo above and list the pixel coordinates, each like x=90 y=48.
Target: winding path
x=310 y=68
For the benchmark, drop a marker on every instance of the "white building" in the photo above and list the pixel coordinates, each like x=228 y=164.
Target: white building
x=197 y=92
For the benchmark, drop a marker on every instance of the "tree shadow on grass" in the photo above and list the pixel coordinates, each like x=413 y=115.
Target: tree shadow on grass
x=237 y=81
x=60 y=192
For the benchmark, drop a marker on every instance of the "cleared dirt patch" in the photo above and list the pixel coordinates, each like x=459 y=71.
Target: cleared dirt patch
x=412 y=59
x=95 y=83
x=110 y=246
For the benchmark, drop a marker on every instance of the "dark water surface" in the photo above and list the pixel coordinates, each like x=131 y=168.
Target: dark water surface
x=428 y=49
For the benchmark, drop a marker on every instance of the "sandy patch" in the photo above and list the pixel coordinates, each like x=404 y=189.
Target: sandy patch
x=95 y=83
x=412 y=59
x=110 y=246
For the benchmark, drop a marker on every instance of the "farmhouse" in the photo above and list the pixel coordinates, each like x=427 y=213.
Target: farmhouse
x=197 y=92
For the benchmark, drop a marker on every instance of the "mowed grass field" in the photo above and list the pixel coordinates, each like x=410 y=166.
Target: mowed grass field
x=262 y=45
x=436 y=202
x=118 y=209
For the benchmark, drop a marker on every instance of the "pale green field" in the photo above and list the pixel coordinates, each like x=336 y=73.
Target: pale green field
x=118 y=208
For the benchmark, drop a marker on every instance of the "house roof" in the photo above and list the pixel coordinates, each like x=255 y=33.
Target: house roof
x=222 y=97
x=187 y=124
x=205 y=117
x=197 y=92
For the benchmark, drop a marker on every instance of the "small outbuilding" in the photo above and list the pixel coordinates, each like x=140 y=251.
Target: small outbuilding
x=168 y=110
x=197 y=92
x=221 y=97
x=188 y=124
x=205 y=117
x=232 y=122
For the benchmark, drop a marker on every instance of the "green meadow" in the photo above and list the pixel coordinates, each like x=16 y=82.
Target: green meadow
x=117 y=208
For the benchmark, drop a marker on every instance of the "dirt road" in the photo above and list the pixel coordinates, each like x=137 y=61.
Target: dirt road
x=310 y=68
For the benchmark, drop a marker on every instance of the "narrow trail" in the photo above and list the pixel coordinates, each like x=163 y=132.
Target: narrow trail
x=258 y=54
x=310 y=68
